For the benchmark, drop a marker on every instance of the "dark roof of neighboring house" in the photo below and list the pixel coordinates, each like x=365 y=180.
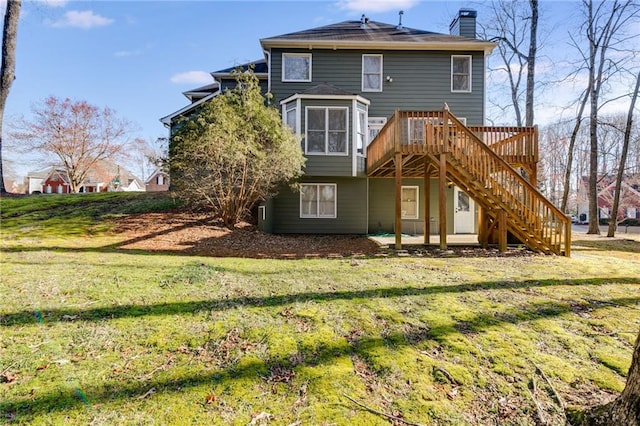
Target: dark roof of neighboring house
x=351 y=34
x=327 y=89
x=259 y=67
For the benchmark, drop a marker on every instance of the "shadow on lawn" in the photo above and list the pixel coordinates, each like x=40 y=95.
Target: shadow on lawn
x=177 y=308
x=606 y=244
x=323 y=352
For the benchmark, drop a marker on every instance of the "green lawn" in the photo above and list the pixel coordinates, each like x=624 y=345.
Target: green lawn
x=97 y=335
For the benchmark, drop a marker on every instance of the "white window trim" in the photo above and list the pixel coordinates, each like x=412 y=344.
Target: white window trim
x=335 y=202
x=470 y=73
x=381 y=72
x=417 y=200
x=365 y=131
x=306 y=128
x=305 y=55
x=374 y=122
x=286 y=110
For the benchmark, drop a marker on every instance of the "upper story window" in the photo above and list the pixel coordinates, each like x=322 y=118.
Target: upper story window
x=296 y=67
x=326 y=130
x=461 y=73
x=372 y=73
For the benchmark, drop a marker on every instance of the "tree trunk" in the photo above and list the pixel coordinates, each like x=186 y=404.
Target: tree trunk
x=531 y=62
x=570 y=150
x=623 y=160
x=8 y=71
x=625 y=410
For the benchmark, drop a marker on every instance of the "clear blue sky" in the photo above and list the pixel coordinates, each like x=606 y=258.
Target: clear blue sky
x=137 y=57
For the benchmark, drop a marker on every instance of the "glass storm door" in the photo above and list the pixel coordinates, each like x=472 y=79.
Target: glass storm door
x=464 y=212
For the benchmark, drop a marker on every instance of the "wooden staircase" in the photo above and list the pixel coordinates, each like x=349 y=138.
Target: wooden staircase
x=480 y=161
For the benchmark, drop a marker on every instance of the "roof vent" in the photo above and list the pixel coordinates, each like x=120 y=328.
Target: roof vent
x=399 y=27
x=363 y=21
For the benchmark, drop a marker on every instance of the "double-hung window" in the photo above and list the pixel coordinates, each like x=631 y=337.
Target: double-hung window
x=461 y=73
x=326 y=130
x=318 y=200
x=361 y=131
x=296 y=67
x=372 y=73
x=291 y=116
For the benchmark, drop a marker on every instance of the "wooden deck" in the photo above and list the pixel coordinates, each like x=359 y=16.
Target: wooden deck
x=480 y=161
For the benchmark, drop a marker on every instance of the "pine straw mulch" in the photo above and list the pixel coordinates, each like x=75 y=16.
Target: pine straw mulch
x=197 y=234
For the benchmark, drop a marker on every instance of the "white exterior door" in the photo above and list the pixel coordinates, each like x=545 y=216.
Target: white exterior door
x=464 y=213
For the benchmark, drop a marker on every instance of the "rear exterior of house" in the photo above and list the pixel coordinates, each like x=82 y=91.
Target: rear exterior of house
x=391 y=121
x=347 y=79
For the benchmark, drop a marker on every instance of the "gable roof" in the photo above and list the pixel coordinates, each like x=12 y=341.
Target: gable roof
x=373 y=34
x=156 y=172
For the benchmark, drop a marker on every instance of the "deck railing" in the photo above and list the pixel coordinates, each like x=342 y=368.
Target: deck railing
x=515 y=145
x=480 y=169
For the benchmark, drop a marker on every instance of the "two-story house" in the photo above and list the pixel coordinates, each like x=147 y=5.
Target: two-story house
x=391 y=121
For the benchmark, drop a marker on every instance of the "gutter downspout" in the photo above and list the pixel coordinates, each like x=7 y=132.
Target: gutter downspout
x=268 y=55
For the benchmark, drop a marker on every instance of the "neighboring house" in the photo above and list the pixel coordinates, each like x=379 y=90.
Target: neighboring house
x=56 y=182
x=373 y=101
x=35 y=179
x=628 y=206
x=103 y=176
x=158 y=181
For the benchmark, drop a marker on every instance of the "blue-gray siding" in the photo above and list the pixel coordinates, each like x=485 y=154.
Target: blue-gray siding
x=351 y=210
x=382 y=207
x=421 y=80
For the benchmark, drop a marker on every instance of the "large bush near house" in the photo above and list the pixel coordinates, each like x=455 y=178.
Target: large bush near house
x=233 y=153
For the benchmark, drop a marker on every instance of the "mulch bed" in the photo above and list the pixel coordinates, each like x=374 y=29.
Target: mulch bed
x=197 y=234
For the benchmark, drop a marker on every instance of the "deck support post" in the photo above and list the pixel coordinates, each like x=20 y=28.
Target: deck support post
x=502 y=230
x=398 y=215
x=483 y=225
x=567 y=239
x=427 y=203
x=442 y=201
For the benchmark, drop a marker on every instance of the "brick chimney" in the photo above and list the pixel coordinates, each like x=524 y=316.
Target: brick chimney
x=464 y=24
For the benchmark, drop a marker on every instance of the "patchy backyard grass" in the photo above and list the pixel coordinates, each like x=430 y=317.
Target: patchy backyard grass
x=94 y=331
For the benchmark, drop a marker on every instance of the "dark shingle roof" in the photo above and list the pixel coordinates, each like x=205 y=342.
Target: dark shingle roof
x=351 y=33
x=201 y=92
x=259 y=67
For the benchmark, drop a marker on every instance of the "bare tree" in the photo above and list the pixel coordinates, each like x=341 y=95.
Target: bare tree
x=7 y=73
x=515 y=27
x=604 y=26
x=571 y=148
x=148 y=156
x=623 y=160
x=77 y=133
